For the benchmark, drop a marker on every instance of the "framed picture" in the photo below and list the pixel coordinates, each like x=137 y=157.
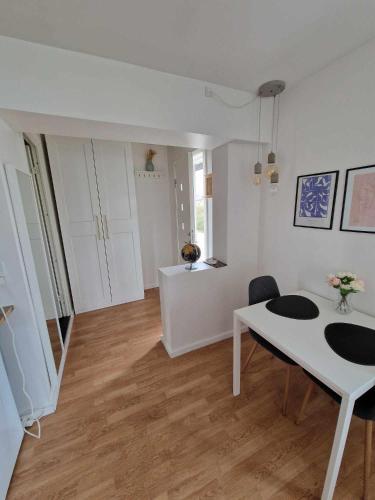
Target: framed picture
x=358 y=208
x=315 y=200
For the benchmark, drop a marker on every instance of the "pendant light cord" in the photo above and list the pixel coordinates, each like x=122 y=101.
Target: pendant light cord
x=277 y=122
x=273 y=122
x=218 y=98
x=259 y=117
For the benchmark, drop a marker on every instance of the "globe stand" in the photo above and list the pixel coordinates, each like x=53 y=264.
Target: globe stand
x=191 y=266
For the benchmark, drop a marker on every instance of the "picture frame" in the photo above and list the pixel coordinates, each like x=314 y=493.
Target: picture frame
x=315 y=200
x=358 y=206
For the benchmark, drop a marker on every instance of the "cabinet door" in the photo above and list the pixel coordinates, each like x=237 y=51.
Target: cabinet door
x=74 y=179
x=115 y=176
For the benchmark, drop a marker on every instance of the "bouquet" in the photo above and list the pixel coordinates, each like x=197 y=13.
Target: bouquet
x=346 y=283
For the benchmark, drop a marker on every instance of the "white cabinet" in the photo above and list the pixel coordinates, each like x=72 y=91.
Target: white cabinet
x=115 y=177
x=95 y=195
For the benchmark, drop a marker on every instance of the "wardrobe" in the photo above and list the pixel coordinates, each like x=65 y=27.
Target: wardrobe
x=96 y=202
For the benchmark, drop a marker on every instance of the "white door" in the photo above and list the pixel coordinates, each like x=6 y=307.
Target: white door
x=77 y=198
x=115 y=176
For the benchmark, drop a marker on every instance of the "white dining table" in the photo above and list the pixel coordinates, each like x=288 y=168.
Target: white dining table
x=305 y=343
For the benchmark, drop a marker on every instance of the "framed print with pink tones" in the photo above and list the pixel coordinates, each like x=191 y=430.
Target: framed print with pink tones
x=358 y=209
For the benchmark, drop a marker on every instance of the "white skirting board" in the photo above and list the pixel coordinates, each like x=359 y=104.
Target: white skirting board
x=198 y=344
x=149 y=286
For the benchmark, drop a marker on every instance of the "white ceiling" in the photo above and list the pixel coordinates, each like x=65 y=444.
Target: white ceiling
x=238 y=43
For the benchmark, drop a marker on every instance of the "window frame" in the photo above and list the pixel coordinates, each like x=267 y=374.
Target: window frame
x=207 y=202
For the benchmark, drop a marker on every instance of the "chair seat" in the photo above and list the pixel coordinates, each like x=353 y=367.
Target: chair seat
x=364 y=407
x=271 y=348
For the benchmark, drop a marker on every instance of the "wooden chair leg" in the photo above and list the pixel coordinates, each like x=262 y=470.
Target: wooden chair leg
x=368 y=452
x=249 y=356
x=305 y=401
x=286 y=390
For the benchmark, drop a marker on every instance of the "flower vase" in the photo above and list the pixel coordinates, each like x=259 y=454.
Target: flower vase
x=150 y=167
x=343 y=304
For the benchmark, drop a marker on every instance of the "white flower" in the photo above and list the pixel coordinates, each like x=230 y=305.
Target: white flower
x=346 y=287
x=358 y=285
x=346 y=274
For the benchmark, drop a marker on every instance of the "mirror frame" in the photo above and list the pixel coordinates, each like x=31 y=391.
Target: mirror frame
x=28 y=261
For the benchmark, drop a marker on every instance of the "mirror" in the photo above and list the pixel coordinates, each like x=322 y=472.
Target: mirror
x=39 y=252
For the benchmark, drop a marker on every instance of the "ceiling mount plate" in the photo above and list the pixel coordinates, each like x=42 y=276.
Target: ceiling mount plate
x=271 y=89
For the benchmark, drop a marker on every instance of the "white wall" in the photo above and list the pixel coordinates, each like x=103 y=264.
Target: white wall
x=37 y=123
x=243 y=209
x=203 y=313
x=326 y=123
x=154 y=213
x=220 y=203
x=235 y=206
x=16 y=292
x=51 y=81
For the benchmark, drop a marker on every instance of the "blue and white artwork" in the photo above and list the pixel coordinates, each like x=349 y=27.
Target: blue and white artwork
x=315 y=196
x=315 y=200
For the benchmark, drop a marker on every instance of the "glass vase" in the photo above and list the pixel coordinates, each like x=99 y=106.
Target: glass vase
x=343 y=304
x=150 y=167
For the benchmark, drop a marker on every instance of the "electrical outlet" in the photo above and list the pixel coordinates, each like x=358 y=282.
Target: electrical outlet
x=208 y=92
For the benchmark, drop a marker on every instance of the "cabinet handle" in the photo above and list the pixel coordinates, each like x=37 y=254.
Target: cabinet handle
x=98 y=235
x=106 y=227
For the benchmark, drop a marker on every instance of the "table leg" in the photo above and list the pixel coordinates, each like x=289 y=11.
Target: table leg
x=342 y=428
x=236 y=355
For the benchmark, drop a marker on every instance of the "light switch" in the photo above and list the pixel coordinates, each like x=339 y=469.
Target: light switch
x=2 y=274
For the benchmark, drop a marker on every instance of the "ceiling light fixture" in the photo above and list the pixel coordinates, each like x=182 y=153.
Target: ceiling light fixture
x=273 y=89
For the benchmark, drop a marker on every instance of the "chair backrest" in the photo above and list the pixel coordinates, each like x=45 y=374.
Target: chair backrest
x=263 y=288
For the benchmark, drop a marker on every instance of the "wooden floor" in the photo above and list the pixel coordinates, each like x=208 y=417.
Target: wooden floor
x=134 y=424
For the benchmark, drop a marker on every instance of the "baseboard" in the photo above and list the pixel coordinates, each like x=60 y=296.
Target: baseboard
x=151 y=285
x=197 y=344
x=166 y=346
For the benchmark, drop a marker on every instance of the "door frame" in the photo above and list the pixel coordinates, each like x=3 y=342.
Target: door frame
x=55 y=252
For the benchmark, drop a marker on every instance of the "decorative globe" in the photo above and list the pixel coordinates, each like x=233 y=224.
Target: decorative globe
x=190 y=253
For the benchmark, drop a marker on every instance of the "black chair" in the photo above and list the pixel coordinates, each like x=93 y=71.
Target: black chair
x=261 y=289
x=364 y=408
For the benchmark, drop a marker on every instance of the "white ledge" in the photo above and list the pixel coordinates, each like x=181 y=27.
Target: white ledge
x=180 y=269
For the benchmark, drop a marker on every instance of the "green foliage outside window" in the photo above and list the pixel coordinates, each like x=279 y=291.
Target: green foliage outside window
x=199 y=216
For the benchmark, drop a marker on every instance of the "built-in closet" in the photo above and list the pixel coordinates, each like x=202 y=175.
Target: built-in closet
x=96 y=201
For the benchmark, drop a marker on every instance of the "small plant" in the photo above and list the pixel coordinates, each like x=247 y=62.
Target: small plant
x=150 y=154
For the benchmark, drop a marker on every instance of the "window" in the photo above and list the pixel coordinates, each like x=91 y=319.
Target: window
x=201 y=206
